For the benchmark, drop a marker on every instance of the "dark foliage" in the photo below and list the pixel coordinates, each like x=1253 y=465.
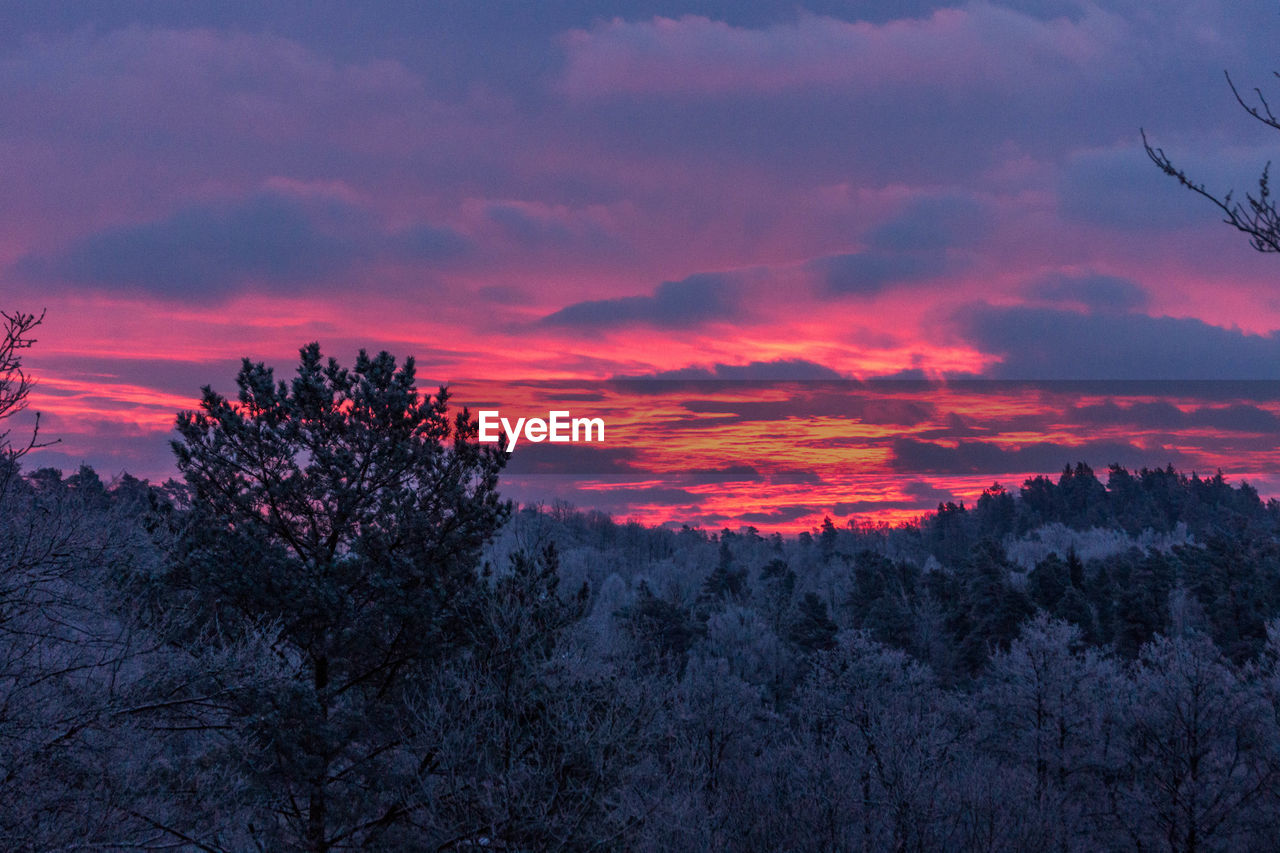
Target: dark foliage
x=1072 y=666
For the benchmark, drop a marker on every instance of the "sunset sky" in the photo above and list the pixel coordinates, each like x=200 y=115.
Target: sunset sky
x=766 y=205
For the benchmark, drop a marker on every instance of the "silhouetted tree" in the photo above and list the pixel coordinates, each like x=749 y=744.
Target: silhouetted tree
x=990 y=610
x=1142 y=606
x=827 y=538
x=996 y=512
x=347 y=511
x=777 y=586
x=949 y=536
x=15 y=387
x=882 y=598
x=1084 y=498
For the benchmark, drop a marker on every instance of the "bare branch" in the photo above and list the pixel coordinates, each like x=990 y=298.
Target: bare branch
x=15 y=386
x=1262 y=114
x=1257 y=217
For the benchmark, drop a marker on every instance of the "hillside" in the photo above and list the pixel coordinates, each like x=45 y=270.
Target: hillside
x=1102 y=656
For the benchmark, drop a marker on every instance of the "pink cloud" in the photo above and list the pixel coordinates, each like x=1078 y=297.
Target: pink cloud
x=127 y=125
x=979 y=44
x=197 y=80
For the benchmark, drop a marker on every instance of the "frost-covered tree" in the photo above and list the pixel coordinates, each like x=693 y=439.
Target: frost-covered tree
x=1051 y=717
x=523 y=744
x=885 y=738
x=1200 y=752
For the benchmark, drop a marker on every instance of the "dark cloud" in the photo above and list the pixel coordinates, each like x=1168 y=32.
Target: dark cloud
x=923 y=496
x=528 y=229
x=868 y=273
x=203 y=251
x=855 y=507
x=940 y=222
x=620 y=500
x=625 y=498
x=1235 y=418
x=428 y=243
x=1093 y=292
x=507 y=42
x=779 y=370
x=700 y=298
x=177 y=376
x=1048 y=343
x=957 y=427
x=580 y=397
x=981 y=457
x=894 y=412
x=206 y=251
x=532 y=228
x=504 y=294
x=1231 y=444
x=576 y=459
x=1161 y=415
x=714 y=476
x=781 y=515
x=922 y=491
x=907 y=374
x=911 y=247
x=821 y=404
x=795 y=477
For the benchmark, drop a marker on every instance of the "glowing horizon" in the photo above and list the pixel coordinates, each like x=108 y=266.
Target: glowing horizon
x=682 y=190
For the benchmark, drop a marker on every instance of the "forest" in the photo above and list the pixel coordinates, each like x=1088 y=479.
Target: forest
x=333 y=633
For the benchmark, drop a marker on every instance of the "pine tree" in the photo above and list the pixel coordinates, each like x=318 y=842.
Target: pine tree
x=662 y=632
x=346 y=511
x=812 y=628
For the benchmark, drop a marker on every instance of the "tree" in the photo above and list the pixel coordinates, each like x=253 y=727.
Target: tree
x=15 y=387
x=661 y=632
x=812 y=628
x=1257 y=216
x=714 y=721
x=524 y=748
x=71 y=664
x=1200 y=752
x=1049 y=719
x=346 y=512
x=883 y=743
x=991 y=608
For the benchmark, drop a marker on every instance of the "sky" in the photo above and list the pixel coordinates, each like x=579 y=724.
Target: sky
x=815 y=229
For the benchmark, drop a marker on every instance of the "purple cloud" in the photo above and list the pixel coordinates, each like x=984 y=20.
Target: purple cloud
x=1049 y=343
x=697 y=55
x=698 y=299
x=206 y=251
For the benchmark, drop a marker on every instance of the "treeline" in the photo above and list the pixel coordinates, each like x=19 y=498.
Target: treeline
x=1151 y=499
x=1035 y=671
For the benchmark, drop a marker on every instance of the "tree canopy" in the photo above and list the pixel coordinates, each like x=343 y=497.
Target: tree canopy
x=343 y=512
